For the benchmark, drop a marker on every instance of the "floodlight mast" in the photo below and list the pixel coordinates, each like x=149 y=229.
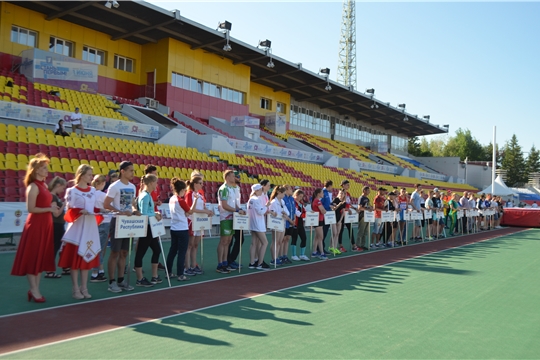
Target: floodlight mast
x=346 y=73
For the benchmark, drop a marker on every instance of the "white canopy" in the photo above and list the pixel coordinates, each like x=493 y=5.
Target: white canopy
x=498 y=188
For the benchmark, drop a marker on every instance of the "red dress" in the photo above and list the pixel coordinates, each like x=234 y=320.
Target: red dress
x=35 y=252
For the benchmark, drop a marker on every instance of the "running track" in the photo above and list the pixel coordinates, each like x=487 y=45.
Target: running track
x=25 y=330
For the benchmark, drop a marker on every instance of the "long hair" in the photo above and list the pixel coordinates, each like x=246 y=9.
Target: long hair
x=147 y=180
x=316 y=193
x=57 y=180
x=98 y=179
x=177 y=185
x=81 y=171
x=38 y=161
x=191 y=182
x=277 y=189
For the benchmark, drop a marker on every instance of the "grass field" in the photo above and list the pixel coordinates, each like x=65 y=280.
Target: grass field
x=477 y=301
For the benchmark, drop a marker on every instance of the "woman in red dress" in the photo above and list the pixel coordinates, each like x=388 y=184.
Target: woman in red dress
x=35 y=252
x=81 y=244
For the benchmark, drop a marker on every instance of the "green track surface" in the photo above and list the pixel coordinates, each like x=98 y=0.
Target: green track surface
x=478 y=301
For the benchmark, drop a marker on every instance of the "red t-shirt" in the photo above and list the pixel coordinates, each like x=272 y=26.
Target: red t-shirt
x=315 y=207
x=378 y=202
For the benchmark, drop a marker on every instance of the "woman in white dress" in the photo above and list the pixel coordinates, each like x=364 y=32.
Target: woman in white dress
x=257 y=209
x=278 y=208
x=81 y=245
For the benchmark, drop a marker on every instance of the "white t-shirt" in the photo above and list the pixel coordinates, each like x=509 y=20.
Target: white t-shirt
x=534 y=205
x=231 y=197
x=100 y=199
x=179 y=220
x=76 y=118
x=122 y=195
x=256 y=210
x=279 y=207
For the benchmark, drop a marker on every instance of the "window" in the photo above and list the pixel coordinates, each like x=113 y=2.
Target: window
x=266 y=104
x=23 y=36
x=93 y=55
x=123 y=63
x=60 y=46
x=199 y=86
x=281 y=107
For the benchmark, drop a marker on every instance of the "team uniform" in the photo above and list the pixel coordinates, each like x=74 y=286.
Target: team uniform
x=278 y=206
x=256 y=210
x=230 y=195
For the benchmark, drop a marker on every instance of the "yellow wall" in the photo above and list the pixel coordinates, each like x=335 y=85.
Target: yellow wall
x=207 y=67
x=257 y=91
x=11 y=14
x=155 y=56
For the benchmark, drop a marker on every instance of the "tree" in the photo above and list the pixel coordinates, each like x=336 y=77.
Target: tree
x=464 y=146
x=488 y=154
x=514 y=163
x=414 y=146
x=533 y=161
x=424 y=148
x=437 y=145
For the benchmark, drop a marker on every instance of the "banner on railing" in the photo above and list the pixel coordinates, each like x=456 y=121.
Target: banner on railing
x=12 y=217
x=362 y=165
x=43 y=115
x=269 y=150
x=425 y=175
x=245 y=121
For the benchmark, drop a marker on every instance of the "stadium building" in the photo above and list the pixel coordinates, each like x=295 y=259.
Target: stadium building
x=155 y=87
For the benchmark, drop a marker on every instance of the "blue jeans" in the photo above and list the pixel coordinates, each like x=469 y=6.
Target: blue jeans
x=103 y=239
x=179 y=245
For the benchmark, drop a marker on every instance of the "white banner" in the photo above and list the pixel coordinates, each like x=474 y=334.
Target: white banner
x=330 y=218
x=269 y=150
x=12 y=217
x=131 y=226
x=200 y=222
x=43 y=115
x=361 y=165
x=428 y=214
x=157 y=227
x=351 y=218
x=387 y=216
x=240 y=222
x=407 y=215
x=425 y=175
x=275 y=223
x=312 y=219
x=440 y=214
x=369 y=216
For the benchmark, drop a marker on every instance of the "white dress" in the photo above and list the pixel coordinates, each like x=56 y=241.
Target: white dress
x=256 y=211
x=83 y=232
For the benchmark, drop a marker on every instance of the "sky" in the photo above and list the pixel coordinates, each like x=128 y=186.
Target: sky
x=472 y=65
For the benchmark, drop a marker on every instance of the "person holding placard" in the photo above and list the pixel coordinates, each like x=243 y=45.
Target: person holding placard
x=238 y=237
x=403 y=201
x=80 y=250
x=290 y=224
x=119 y=199
x=431 y=221
x=98 y=273
x=390 y=226
x=437 y=207
x=317 y=206
x=345 y=185
x=363 y=227
x=338 y=205
x=257 y=209
x=228 y=204
x=326 y=201
x=299 y=229
x=179 y=227
x=378 y=206
x=147 y=208
x=416 y=199
x=194 y=193
x=277 y=206
x=35 y=252
x=453 y=208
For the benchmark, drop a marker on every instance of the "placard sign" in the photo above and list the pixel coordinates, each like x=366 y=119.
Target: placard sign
x=428 y=214
x=407 y=216
x=312 y=219
x=275 y=223
x=460 y=214
x=200 y=222
x=157 y=227
x=369 y=216
x=240 y=222
x=131 y=226
x=330 y=218
x=387 y=216
x=351 y=218
x=440 y=214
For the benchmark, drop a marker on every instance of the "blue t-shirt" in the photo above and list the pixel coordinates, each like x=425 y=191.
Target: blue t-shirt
x=326 y=200
x=290 y=204
x=146 y=204
x=415 y=197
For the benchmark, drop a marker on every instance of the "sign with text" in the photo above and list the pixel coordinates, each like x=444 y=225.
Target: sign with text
x=387 y=216
x=12 y=217
x=312 y=219
x=157 y=227
x=351 y=218
x=200 y=222
x=407 y=216
x=275 y=223
x=428 y=214
x=240 y=222
x=369 y=216
x=330 y=218
x=460 y=214
x=131 y=226
x=440 y=214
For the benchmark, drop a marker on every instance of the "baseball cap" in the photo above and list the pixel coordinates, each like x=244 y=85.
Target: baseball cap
x=76 y=108
x=436 y=190
x=111 y=172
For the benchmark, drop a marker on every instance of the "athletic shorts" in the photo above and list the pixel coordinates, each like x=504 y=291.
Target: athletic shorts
x=378 y=226
x=76 y=126
x=418 y=222
x=290 y=231
x=117 y=244
x=225 y=228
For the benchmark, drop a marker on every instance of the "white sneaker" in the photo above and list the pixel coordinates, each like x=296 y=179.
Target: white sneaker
x=303 y=258
x=295 y=258
x=113 y=287
x=124 y=286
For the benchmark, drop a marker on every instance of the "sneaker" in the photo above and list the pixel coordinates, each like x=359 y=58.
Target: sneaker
x=171 y=275
x=323 y=257
x=253 y=266
x=303 y=258
x=222 y=269
x=197 y=270
x=263 y=266
x=160 y=267
x=156 y=280
x=315 y=254
x=295 y=258
x=285 y=260
x=189 y=272
x=373 y=246
x=234 y=265
x=276 y=262
x=144 y=283
x=99 y=278
x=342 y=249
x=182 y=278
x=113 y=287
x=326 y=252
x=125 y=286
x=390 y=245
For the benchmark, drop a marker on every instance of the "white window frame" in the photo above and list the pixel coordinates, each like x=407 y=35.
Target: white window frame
x=126 y=60
x=64 y=44
x=266 y=103
x=96 y=52
x=19 y=30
